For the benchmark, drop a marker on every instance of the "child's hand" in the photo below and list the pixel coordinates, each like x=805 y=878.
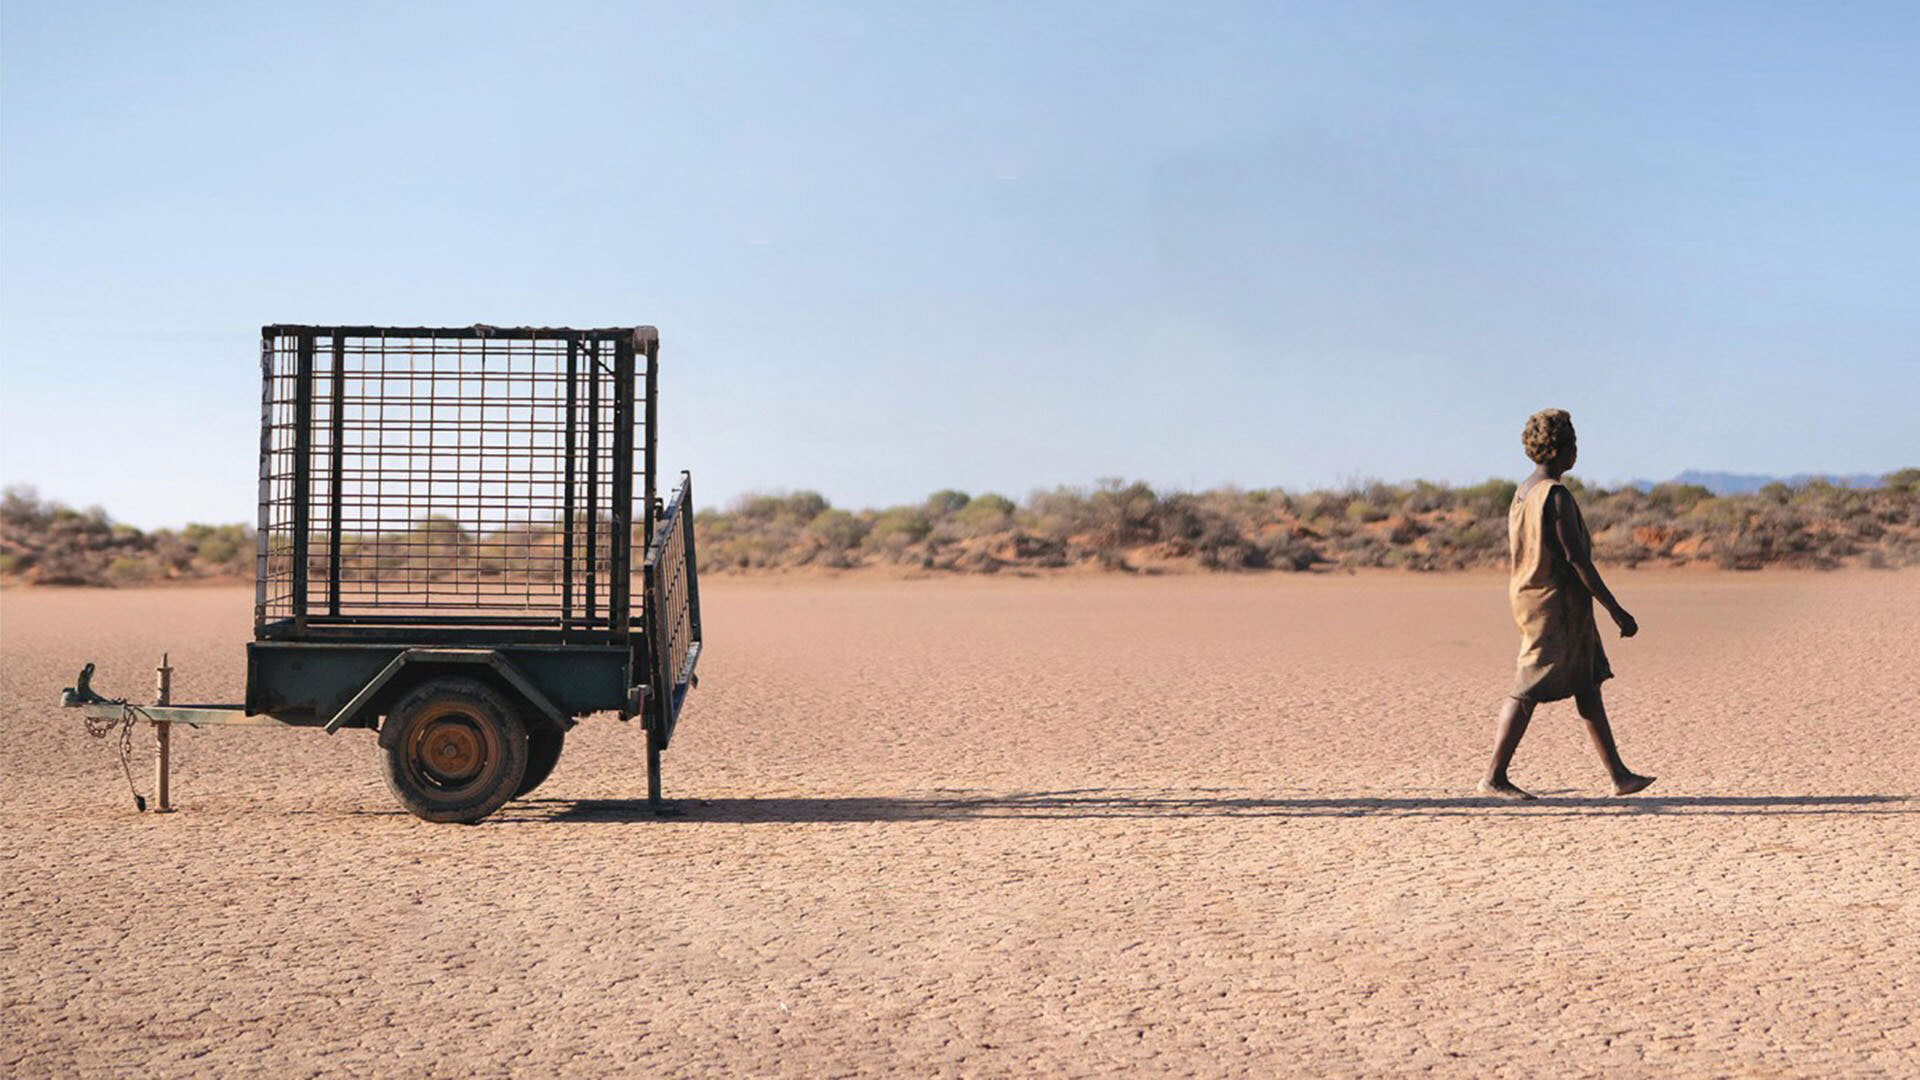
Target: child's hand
x=1628 y=627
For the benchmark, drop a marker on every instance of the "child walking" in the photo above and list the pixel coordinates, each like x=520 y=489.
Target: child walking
x=1552 y=587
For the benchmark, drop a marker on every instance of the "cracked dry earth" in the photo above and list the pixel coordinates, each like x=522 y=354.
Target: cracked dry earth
x=985 y=827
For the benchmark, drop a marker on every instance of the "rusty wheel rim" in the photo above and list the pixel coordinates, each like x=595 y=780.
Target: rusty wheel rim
x=451 y=751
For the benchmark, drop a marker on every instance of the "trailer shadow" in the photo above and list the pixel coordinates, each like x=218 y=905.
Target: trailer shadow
x=1108 y=803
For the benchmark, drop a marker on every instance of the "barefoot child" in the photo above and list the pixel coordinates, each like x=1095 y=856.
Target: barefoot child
x=1552 y=587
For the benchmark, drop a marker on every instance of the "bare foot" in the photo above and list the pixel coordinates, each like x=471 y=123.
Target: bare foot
x=1506 y=789
x=1630 y=783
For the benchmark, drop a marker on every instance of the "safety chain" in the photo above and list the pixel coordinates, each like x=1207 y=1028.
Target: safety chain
x=102 y=727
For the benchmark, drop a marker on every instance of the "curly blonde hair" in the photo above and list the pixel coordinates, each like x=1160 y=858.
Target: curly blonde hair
x=1547 y=435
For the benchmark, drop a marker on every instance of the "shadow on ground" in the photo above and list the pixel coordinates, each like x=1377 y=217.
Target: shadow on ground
x=1107 y=803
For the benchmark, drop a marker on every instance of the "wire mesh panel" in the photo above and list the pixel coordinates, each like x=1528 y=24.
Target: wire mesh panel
x=455 y=477
x=673 y=597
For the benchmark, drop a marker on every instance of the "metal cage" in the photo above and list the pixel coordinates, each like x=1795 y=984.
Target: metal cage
x=418 y=480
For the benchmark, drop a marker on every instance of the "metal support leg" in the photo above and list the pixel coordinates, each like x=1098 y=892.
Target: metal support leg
x=653 y=769
x=163 y=734
x=163 y=731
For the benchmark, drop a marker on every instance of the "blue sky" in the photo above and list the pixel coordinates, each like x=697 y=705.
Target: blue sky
x=895 y=247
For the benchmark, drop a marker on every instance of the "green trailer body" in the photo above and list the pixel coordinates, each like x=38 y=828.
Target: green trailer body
x=452 y=526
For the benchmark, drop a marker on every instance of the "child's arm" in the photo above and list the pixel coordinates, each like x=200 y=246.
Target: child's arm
x=1573 y=543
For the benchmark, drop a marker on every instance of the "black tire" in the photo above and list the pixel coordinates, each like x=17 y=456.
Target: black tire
x=458 y=750
x=543 y=753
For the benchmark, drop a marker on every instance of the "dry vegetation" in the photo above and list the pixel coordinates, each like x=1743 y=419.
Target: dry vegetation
x=1114 y=526
x=1419 y=526
x=51 y=544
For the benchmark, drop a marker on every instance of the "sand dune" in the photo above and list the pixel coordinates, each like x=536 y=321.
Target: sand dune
x=1070 y=826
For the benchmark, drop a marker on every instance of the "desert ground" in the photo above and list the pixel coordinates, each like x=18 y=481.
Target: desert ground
x=1077 y=826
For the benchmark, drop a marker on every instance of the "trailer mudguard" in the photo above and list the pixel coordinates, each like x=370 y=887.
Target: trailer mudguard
x=489 y=659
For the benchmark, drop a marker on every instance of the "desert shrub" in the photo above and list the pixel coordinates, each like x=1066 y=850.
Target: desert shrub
x=737 y=541
x=795 y=509
x=836 y=529
x=1176 y=517
x=1060 y=512
x=895 y=530
x=1824 y=498
x=985 y=514
x=21 y=508
x=1425 y=497
x=1720 y=513
x=945 y=503
x=1371 y=500
x=1356 y=487
x=1906 y=551
x=1285 y=549
x=1607 y=510
x=1199 y=525
x=1627 y=500
x=128 y=570
x=1893 y=506
x=1367 y=551
x=1114 y=514
x=1123 y=513
x=990 y=503
x=1737 y=552
x=1489 y=498
x=224 y=546
x=171 y=552
x=1471 y=538
x=1619 y=546
x=1321 y=504
x=1677 y=498
x=1774 y=534
x=1229 y=552
x=1261 y=501
x=1906 y=481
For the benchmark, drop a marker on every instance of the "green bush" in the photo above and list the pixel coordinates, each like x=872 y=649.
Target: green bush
x=221 y=547
x=1425 y=497
x=794 y=509
x=1904 y=480
x=945 y=503
x=1677 y=498
x=1490 y=498
x=1316 y=505
x=893 y=531
x=984 y=514
x=128 y=570
x=1287 y=550
x=837 y=530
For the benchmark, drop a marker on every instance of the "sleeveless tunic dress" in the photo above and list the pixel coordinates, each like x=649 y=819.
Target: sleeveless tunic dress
x=1560 y=653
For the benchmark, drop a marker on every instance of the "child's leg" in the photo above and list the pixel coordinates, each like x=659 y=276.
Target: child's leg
x=1593 y=709
x=1513 y=724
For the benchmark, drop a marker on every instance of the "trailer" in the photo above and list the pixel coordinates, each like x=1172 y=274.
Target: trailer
x=446 y=556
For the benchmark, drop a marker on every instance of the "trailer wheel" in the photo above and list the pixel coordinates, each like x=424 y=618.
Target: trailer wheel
x=459 y=751
x=543 y=753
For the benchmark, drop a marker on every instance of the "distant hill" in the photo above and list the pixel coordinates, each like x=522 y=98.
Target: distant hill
x=1726 y=483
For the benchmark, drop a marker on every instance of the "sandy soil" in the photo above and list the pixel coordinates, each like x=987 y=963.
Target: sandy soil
x=988 y=827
